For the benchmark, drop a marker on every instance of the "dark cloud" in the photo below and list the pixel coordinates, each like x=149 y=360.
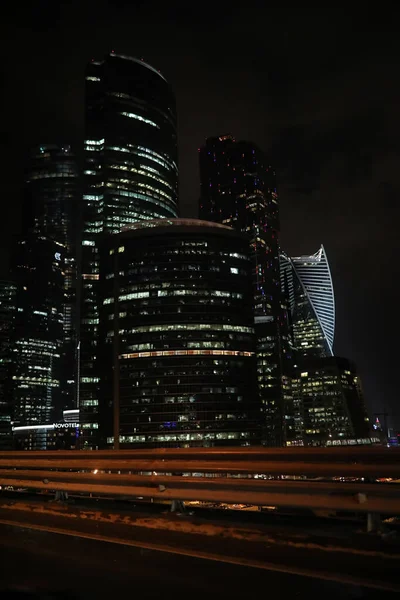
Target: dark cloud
x=318 y=89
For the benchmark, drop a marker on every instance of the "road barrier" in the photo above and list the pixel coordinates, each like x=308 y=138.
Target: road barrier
x=255 y=476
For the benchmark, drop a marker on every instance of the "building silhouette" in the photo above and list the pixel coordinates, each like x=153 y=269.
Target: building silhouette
x=60 y=435
x=238 y=189
x=307 y=282
x=329 y=407
x=130 y=174
x=43 y=268
x=51 y=194
x=50 y=210
x=176 y=341
x=38 y=344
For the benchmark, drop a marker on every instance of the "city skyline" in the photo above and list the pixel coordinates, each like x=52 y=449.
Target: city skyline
x=357 y=257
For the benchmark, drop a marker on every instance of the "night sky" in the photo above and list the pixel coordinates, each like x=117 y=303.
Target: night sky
x=319 y=92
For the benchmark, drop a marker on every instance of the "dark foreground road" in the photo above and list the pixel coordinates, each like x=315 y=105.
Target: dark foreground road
x=81 y=568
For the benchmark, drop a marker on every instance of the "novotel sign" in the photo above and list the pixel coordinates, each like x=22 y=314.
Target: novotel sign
x=65 y=425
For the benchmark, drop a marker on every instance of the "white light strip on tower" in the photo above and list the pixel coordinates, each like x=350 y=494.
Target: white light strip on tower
x=155 y=353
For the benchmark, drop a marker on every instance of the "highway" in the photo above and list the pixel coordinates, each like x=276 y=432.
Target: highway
x=323 y=549
x=81 y=568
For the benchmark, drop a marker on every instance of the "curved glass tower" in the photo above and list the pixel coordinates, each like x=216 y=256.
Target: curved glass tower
x=307 y=281
x=130 y=150
x=130 y=174
x=176 y=347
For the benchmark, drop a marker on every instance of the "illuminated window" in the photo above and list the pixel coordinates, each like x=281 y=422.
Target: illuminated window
x=139 y=118
x=156 y=353
x=95 y=142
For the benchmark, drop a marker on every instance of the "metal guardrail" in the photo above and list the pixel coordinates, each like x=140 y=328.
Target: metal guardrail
x=217 y=475
x=344 y=453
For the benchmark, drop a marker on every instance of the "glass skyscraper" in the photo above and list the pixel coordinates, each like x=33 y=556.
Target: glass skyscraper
x=44 y=271
x=38 y=366
x=327 y=405
x=238 y=189
x=51 y=194
x=176 y=345
x=130 y=148
x=51 y=211
x=130 y=174
x=308 y=284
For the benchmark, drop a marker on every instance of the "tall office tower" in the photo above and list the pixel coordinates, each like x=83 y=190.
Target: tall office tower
x=7 y=322
x=308 y=283
x=238 y=189
x=130 y=175
x=38 y=270
x=176 y=343
x=329 y=405
x=51 y=211
x=51 y=194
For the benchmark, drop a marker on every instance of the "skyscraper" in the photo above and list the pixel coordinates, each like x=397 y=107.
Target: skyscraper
x=51 y=211
x=327 y=405
x=7 y=323
x=130 y=174
x=51 y=194
x=130 y=149
x=37 y=369
x=44 y=271
x=176 y=338
x=308 y=283
x=238 y=188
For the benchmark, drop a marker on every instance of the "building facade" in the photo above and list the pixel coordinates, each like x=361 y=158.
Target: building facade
x=307 y=282
x=329 y=407
x=51 y=194
x=7 y=323
x=238 y=189
x=130 y=174
x=60 y=435
x=37 y=359
x=176 y=339
x=51 y=210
